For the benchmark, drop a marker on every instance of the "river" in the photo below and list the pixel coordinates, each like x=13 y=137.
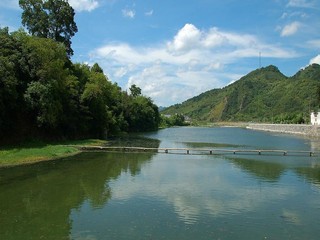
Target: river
x=95 y=196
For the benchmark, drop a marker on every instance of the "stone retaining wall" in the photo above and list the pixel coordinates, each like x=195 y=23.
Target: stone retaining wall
x=302 y=129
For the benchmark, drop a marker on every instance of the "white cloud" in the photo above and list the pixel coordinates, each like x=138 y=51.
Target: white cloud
x=167 y=85
x=301 y=3
x=191 y=62
x=119 y=73
x=191 y=38
x=84 y=5
x=290 y=15
x=316 y=59
x=314 y=43
x=214 y=38
x=149 y=13
x=186 y=39
x=129 y=13
x=290 y=29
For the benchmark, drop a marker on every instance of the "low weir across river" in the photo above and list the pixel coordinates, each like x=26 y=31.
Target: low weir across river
x=201 y=151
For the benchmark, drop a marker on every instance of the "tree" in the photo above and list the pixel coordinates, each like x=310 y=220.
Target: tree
x=50 y=19
x=96 y=68
x=173 y=120
x=135 y=90
x=46 y=91
x=142 y=115
x=177 y=120
x=318 y=96
x=96 y=96
x=12 y=86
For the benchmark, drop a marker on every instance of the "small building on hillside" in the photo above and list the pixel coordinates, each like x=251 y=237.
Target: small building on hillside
x=315 y=118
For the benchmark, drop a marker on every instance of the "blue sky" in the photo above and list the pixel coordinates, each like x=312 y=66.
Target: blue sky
x=174 y=49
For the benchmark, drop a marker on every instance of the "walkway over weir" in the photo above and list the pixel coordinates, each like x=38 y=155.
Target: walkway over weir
x=201 y=151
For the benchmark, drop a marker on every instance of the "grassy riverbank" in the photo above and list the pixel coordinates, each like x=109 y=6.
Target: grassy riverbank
x=33 y=152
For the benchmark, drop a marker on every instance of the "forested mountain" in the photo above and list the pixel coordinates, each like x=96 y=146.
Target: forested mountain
x=262 y=95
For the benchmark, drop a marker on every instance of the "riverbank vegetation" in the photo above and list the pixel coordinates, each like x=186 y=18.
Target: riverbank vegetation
x=44 y=95
x=38 y=151
x=173 y=120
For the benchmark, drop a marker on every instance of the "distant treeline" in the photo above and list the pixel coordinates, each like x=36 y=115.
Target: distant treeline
x=44 y=95
x=173 y=120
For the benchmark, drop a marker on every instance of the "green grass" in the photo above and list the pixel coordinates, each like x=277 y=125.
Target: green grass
x=38 y=151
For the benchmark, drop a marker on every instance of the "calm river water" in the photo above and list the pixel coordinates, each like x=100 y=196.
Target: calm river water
x=169 y=196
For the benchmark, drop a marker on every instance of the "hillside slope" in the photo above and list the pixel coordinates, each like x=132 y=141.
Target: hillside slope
x=262 y=95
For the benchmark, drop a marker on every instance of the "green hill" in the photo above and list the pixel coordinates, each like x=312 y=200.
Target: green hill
x=262 y=95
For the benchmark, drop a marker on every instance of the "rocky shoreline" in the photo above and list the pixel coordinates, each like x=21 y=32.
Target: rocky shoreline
x=300 y=129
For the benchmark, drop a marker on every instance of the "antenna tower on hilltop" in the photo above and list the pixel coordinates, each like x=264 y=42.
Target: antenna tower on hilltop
x=259 y=59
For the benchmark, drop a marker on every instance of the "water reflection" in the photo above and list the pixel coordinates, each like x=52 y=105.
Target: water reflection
x=202 y=186
x=269 y=171
x=135 y=140
x=315 y=144
x=167 y=196
x=36 y=201
x=212 y=145
x=312 y=174
x=291 y=217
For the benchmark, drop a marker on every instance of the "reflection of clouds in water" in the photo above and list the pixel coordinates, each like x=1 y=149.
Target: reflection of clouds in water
x=315 y=187
x=186 y=211
x=291 y=217
x=199 y=188
x=315 y=144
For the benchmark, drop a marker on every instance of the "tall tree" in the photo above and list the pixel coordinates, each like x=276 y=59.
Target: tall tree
x=44 y=94
x=8 y=80
x=135 y=90
x=50 y=19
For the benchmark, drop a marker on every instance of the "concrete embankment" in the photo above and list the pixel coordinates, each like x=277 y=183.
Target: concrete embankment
x=301 y=129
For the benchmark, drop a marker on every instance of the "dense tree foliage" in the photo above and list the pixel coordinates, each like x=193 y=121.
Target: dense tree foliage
x=50 y=19
x=44 y=95
x=173 y=120
x=263 y=95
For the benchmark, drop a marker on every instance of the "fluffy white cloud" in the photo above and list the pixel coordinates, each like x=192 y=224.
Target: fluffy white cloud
x=167 y=85
x=290 y=29
x=129 y=13
x=191 y=38
x=186 y=39
x=191 y=62
x=84 y=5
x=190 y=45
x=316 y=59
